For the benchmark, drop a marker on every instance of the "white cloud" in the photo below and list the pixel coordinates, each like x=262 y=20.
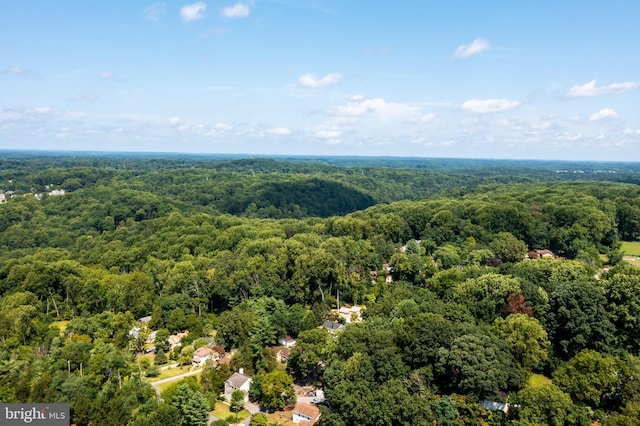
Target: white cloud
x=310 y=81
x=174 y=120
x=193 y=12
x=569 y=137
x=238 y=10
x=279 y=131
x=511 y=124
x=42 y=110
x=477 y=46
x=359 y=106
x=469 y=122
x=428 y=118
x=223 y=126
x=482 y=106
x=106 y=75
x=629 y=131
x=328 y=134
x=590 y=89
x=155 y=11
x=20 y=72
x=604 y=114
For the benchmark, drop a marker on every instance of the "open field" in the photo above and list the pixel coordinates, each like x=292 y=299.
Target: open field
x=631 y=248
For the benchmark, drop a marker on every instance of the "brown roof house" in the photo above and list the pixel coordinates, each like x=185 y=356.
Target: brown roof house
x=237 y=381
x=305 y=414
x=541 y=254
x=282 y=355
x=174 y=339
x=202 y=354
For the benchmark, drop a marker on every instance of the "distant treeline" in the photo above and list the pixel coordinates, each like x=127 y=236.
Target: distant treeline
x=297 y=188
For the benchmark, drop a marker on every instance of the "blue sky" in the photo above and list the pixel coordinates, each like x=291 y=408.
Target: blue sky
x=474 y=79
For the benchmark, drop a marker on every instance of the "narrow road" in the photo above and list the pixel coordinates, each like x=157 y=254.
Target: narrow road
x=155 y=385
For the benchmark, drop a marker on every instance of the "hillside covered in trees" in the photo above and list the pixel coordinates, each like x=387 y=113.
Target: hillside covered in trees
x=246 y=251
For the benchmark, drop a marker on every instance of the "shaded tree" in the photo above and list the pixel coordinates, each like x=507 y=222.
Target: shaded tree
x=578 y=319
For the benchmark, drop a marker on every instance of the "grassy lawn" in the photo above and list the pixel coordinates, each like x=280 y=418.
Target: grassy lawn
x=222 y=412
x=282 y=418
x=538 y=380
x=145 y=356
x=631 y=248
x=164 y=386
x=170 y=372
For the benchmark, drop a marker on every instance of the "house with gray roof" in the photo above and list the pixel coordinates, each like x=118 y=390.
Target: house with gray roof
x=237 y=381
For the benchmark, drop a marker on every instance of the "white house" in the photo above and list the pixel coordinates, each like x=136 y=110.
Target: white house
x=237 y=381
x=287 y=342
x=305 y=413
x=352 y=314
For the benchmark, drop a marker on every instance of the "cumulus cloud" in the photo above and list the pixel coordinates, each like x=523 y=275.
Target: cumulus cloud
x=279 y=131
x=238 y=10
x=193 y=12
x=477 y=46
x=360 y=105
x=155 y=11
x=590 y=89
x=310 y=81
x=483 y=106
x=604 y=114
x=632 y=132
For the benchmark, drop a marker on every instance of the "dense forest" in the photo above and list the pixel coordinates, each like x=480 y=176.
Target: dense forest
x=245 y=251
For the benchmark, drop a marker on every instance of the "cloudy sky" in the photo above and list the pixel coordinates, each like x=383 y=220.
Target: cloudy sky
x=542 y=79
